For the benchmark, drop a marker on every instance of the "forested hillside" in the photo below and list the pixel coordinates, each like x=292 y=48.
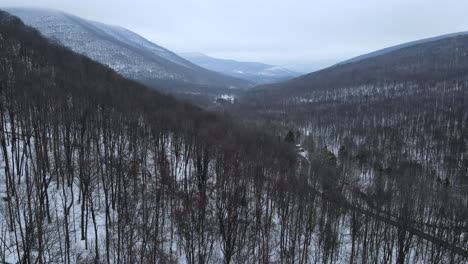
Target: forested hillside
x=128 y=53
x=394 y=126
x=408 y=104
x=99 y=168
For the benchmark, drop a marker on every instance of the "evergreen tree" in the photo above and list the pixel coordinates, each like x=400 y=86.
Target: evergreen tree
x=290 y=138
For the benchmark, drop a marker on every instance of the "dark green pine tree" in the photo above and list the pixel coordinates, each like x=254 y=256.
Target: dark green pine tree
x=290 y=138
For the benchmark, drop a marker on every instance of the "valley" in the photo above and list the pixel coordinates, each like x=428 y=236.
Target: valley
x=117 y=150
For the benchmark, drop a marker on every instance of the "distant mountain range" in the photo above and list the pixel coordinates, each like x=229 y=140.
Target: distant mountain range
x=124 y=51
x=259 y=73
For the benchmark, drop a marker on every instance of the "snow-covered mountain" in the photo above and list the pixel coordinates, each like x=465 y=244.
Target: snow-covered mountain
x=259 y=73
x=124 y=51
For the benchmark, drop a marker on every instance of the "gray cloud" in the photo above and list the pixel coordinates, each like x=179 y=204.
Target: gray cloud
x=302 y=34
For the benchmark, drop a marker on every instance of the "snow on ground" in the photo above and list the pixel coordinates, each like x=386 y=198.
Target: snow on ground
x=84 y=249
x=225 y=97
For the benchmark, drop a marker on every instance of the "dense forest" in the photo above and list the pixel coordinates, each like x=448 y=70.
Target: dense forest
x=396 y=122
x=99 y=169
x=409 y=104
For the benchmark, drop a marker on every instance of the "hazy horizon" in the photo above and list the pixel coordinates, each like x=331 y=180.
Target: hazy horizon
x=301 y=35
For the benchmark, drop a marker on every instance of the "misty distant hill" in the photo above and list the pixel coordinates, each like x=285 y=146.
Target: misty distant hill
x=124 y=51
x=259 y=73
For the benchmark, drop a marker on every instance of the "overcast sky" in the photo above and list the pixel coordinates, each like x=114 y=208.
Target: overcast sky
x=301 y=34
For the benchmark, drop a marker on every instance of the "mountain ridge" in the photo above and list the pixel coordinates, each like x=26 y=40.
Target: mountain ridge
x=123 y=50
x=260 y=73
x=437 y=59
x=400 y=46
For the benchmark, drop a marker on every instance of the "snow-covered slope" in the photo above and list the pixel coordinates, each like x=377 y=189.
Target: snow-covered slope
x=124 y=51
x=401 y=46
x=257 y=72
